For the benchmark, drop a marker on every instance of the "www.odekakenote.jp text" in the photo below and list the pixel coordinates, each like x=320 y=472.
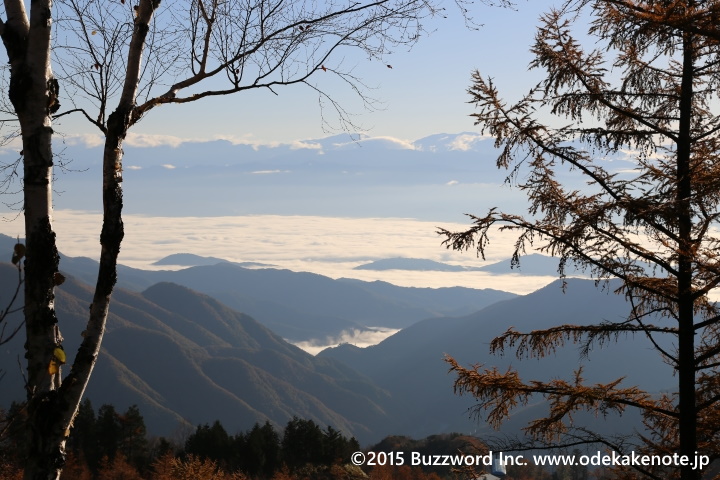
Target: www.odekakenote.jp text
x=600 y=459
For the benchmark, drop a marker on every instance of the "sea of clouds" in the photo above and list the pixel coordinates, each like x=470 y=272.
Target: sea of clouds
x=330 y=246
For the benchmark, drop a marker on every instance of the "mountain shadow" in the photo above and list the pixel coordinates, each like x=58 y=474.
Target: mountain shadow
x=410 y=366
x=184 y=358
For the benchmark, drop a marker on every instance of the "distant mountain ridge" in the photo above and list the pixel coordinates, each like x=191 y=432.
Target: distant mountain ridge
x=298 y=306
x=409 y=364
x=409 y=179
x=192 y=260
x=424 y=179
x=301 y=305
x=532 y=264
x=413 y=264
x=184 y=358
x=188 y=260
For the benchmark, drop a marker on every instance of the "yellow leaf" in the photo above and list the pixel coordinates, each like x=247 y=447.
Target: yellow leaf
x=59 y=355
x=93 y=32
x=53 y=367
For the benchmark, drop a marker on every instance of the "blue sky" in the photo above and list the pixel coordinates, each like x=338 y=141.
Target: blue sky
x=424 y=93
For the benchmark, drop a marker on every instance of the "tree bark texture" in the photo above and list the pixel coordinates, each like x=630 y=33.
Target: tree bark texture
x=686 y=323
x=52 y=404
x=34 y=95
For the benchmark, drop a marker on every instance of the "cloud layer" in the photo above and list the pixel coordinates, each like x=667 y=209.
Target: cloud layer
x=359 y=338
x=328 y=246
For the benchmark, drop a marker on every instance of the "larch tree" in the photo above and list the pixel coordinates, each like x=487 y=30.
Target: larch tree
x=642 y=86
x=116 y=61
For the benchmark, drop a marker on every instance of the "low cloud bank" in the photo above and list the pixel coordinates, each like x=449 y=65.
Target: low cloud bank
x=357 y=337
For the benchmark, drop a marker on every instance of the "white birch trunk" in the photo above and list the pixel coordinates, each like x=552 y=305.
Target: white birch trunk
x=33 y=93
x=52 y=406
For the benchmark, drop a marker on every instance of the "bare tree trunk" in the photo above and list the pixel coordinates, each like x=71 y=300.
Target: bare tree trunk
x=686 y=325
x=52 y=406
x=34 y=94
x=112 y=229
